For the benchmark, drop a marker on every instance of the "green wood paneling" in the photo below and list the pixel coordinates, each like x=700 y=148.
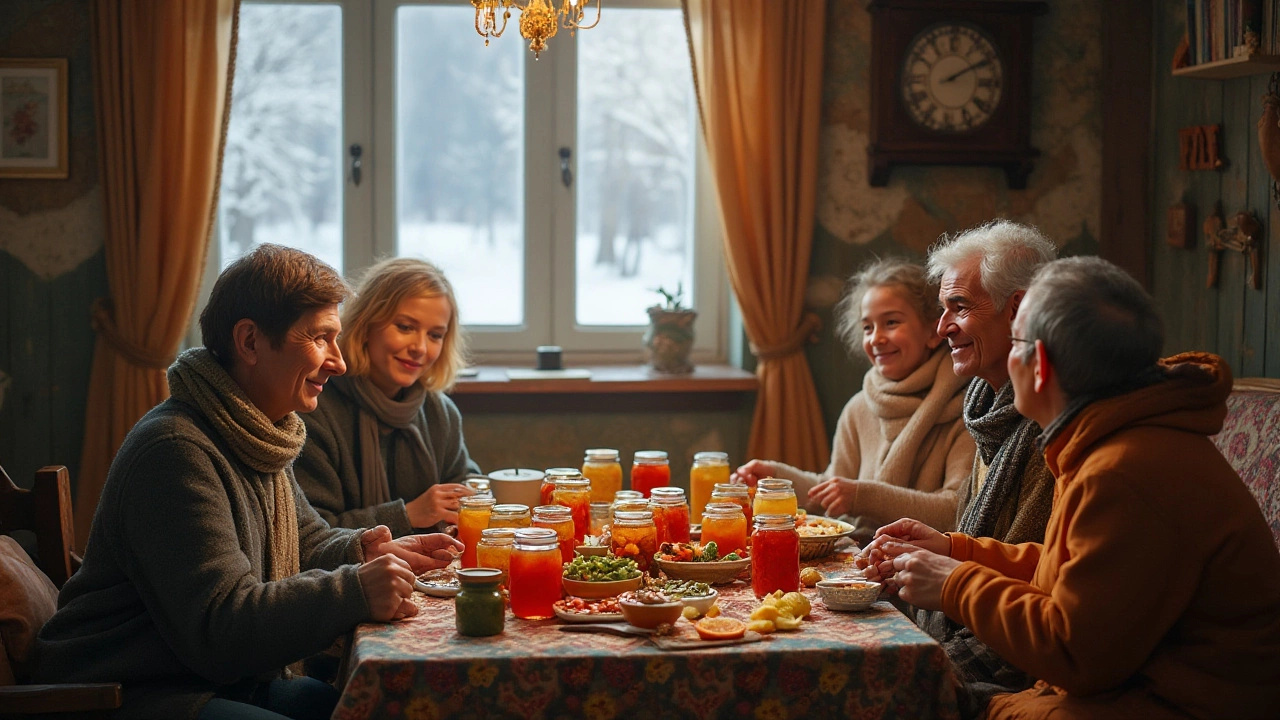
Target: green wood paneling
x=1254 y=351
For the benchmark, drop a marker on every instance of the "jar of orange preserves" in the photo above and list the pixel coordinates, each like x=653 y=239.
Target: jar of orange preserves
x=774 y=497
x=535 y=575
x=549 y=482
x=512 y=515
x=560 y=519
x=734 y=493
x=726 y=526
x=670 y=514
x=634 y=536
x=709 y=469
x=494 y=549
x=473 y=518
x=575 y=494
x=775 y=554
x=602 y=468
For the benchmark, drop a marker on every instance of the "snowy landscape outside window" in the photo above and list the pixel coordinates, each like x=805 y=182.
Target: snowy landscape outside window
x=461 y=163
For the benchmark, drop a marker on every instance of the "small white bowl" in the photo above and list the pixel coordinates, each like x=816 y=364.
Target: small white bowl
x=701 y=603
x=848 y=593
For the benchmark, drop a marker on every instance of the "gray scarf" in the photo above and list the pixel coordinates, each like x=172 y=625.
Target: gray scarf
x=1006 y=443
x=380 y=414
x=197 y=379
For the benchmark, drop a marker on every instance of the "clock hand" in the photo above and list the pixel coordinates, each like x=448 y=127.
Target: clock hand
x=958 y=73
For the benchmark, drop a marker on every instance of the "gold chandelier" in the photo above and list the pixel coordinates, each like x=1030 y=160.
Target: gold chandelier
x=539 y=19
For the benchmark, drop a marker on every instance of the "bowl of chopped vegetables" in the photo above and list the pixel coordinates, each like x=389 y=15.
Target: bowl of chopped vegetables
x=702 y=563
x=600 y=576
x=698 y=595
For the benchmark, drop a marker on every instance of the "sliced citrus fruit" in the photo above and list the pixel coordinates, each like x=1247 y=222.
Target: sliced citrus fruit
x=720 y=628
x=786 y=622
x=764 y=627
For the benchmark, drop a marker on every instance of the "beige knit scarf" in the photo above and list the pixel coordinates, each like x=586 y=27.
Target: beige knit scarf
x=909 y=409
x=198 y=380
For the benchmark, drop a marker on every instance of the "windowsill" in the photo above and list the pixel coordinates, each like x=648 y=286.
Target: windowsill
x=610 y=388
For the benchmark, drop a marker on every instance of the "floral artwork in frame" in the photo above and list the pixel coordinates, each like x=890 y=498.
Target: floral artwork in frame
x=33 y=118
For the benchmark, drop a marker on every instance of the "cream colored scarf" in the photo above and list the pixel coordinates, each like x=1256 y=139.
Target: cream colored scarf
x=909 y=408
x=197 y=379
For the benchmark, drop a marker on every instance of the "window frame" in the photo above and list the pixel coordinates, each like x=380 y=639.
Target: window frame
x=369 y=224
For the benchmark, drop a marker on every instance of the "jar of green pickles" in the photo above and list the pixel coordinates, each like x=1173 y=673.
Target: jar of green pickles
x=479 y=610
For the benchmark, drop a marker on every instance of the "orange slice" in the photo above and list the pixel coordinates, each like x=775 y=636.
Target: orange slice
x=720 y=628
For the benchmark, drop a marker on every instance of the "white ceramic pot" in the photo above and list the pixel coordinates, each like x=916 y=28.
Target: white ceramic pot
x=517 y=485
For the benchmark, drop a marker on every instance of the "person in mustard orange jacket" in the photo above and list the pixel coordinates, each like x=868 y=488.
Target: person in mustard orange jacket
x=1157 y=590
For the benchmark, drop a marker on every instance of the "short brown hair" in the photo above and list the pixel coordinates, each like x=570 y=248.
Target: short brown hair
x=897 y=272
x=378 y=296
x=271 y=285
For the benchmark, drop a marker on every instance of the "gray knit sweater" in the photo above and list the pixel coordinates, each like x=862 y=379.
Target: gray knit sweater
x=172 y=600
x=328 y=468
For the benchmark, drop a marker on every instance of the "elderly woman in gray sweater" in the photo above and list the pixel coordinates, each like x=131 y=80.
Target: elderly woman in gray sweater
x=386 y=446
x=207 y=571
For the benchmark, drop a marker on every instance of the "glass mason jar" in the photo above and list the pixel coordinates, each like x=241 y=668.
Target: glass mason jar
x=549 y=482
x=634 y=536
x=560 y=519
x=510 y=515
x=726 y=526
x=775 y=554
x=709 y=469
x=535 y=576
x=734 y=493
x=478 y=485
x=602 y=468
x=473 y=518
x=494 y=550
x=670 y=514
x=479 y=610
x=600 y=517
x=650 y=469
x=775 y=497
x=575 y=494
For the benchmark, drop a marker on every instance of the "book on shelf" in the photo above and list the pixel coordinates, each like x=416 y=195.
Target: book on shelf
x=1225 y=29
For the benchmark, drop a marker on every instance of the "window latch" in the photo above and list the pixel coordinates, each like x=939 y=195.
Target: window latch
x=566 y=175
x=356 y=151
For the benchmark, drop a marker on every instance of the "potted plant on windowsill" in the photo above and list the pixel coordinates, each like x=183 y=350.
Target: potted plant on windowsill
x=669 y=338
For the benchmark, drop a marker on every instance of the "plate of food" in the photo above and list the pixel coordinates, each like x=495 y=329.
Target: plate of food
x=582 y=610
x=698 y=562
x=596 y=576
x=818 y=536
x=442 y=582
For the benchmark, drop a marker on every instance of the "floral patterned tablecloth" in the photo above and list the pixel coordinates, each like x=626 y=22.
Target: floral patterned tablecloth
x=872 y=664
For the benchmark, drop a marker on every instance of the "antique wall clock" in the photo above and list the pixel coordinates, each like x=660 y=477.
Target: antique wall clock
x=951 y=85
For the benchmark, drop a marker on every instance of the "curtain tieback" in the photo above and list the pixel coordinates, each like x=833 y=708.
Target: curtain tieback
x=102 y=317
x=810 y=324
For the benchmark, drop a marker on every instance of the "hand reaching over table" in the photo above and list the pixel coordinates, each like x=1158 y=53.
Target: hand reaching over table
x=420 y=552
x=387 y=582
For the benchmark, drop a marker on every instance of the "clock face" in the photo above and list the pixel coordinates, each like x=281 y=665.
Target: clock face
x=952 y=78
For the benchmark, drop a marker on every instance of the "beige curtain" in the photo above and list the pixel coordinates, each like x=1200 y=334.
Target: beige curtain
x=161 y=74
x=758 y=72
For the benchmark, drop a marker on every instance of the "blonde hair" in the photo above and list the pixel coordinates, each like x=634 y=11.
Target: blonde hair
x=379 y=294
x=906 y=277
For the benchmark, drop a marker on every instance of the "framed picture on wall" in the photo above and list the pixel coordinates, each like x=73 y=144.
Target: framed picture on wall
x=33 y=118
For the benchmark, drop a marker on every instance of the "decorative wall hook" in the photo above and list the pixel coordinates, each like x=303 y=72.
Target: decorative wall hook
x=1244 y=235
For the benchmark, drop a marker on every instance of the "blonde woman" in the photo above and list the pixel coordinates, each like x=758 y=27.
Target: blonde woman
x=385 y=445
x=901 y=448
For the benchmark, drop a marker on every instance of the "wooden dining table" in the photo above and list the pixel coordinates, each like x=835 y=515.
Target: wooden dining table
x=870 y=664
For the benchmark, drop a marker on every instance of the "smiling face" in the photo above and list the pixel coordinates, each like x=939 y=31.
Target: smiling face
x=894 y=336
x=403 y=350
x=977 y=330
x=290 y=378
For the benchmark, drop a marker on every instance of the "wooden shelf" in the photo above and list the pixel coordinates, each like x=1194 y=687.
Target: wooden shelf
x=1232 y=67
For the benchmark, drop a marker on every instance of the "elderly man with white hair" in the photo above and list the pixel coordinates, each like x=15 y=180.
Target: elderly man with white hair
x=1156 y=592
x=983 y=274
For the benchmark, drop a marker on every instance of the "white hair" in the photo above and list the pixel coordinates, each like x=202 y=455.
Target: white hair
x=1011 y=253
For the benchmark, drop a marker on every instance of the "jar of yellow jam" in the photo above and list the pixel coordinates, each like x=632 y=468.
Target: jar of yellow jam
x=709 y=469
x=510 y=515
x=494 y=550
x=602 y=467
x=473 y=518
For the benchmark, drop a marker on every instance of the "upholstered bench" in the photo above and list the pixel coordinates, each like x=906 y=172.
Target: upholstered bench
x=1250 y=440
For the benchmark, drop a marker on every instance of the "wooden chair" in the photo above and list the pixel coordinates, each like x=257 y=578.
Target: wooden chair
x=45 y=510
